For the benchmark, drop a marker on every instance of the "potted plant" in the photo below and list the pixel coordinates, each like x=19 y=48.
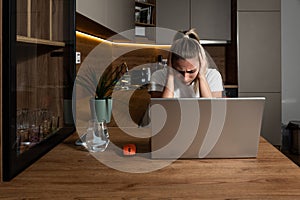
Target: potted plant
x=101 y=88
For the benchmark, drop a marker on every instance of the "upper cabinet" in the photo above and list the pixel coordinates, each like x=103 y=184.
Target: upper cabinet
x=40 y=22
x=211 y=18
x=116 y=15
x=173 y=14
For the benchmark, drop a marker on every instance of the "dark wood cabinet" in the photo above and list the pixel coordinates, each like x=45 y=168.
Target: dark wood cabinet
x=38 y=72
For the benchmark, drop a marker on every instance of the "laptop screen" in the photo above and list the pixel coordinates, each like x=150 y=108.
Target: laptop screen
x=205 y=128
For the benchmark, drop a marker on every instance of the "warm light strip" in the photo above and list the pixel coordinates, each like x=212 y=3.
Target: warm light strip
x=88 y=36
x=120 y=43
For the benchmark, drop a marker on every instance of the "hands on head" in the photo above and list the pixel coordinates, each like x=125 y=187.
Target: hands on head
x=191 y=64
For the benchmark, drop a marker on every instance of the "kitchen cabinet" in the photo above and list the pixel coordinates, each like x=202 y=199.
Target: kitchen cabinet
x=259 y=60
x=117 y=15
x=171 y=16
x=259 y=5
x=38 y=73
x=211 y=18
x=259 y=51
x=290 y=31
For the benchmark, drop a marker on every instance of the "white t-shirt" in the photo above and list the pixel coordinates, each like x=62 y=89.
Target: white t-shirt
x=159 y=78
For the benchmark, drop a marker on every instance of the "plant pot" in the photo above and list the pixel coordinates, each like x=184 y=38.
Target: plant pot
x=101 y=109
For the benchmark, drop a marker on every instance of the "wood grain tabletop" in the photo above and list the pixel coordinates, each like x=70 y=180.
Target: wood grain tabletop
x=70 y=172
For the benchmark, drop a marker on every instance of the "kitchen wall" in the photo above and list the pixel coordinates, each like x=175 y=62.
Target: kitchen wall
x=290 y=15
x=134 y=56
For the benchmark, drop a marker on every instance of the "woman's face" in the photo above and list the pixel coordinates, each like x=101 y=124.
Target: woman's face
x=188 y=68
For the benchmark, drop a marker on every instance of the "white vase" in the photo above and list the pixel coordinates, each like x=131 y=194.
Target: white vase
x=101 y=109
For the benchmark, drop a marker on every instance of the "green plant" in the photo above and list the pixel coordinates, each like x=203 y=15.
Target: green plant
x=102 y=87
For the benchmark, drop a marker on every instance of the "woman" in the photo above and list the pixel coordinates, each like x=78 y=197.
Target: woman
x=191 y=71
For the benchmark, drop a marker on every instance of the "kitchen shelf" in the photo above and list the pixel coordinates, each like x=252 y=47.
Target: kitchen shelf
x=145 y=16
x=30 y=40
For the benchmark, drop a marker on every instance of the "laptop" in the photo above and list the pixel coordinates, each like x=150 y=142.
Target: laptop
x=205 y=128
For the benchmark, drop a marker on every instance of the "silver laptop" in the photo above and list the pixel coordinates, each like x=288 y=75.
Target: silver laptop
x=205 y=128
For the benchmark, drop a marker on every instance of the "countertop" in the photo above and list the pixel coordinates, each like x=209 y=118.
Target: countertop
x=70 y=172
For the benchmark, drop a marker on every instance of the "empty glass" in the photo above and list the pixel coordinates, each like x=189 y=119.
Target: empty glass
x=96 y=138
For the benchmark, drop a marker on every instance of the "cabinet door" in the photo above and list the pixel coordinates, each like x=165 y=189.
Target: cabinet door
x=271 y=125
x=259 y=57
x=212 y=19
x=170 y=14
x=173 y=14
x=256 y=5
x=95 y=10
x=117 y=15
x=38 y=77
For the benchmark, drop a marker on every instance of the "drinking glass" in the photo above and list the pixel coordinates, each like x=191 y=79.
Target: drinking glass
x=96 y=138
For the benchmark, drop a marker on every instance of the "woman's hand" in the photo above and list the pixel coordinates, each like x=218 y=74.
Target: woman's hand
x=203 y=84
x=203 y=64
x=202 y=72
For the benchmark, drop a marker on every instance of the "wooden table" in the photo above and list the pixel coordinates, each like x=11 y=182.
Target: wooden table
x=70 y=172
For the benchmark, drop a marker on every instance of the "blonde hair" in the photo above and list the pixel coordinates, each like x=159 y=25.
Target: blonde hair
x=186 y=45
x=188 y=33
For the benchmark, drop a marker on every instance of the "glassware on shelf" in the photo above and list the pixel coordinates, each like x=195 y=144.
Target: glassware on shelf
x=33 y=126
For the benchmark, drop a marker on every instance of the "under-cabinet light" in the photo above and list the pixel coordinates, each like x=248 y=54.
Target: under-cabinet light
x=89 y=36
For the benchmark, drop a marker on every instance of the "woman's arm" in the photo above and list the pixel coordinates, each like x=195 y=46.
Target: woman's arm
x=205 y=90
x=218 y=94
x=204 y=87
x=168 y=91
x=213 y=81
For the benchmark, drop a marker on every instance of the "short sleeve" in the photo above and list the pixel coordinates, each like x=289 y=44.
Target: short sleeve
x=158 y=81
x=214 y=80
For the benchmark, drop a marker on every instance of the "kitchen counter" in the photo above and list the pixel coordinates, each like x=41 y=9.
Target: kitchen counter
x=70 y=172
